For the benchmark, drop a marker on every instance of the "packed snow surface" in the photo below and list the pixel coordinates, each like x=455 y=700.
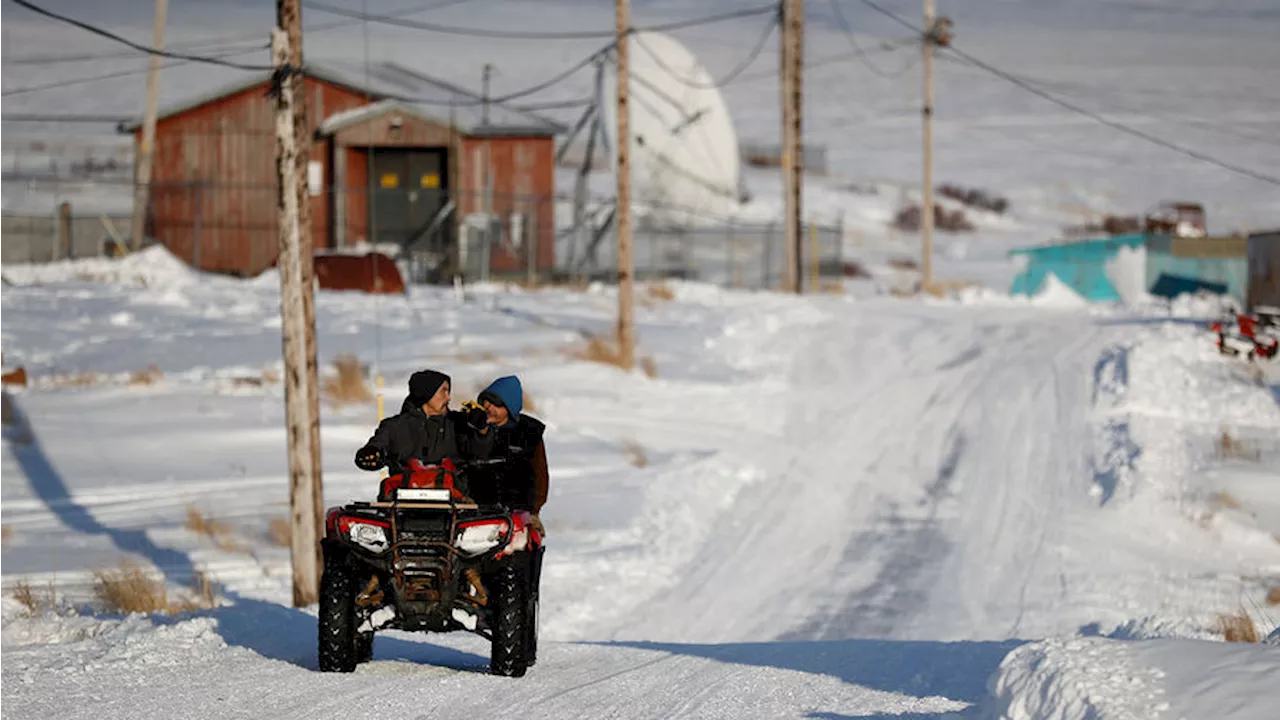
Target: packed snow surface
x=816 y=507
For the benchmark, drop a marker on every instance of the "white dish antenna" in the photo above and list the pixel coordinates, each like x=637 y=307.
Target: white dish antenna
x=685 y=163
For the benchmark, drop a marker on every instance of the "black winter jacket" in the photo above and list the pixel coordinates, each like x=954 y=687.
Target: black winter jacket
x=522 y=483
x=414 y=434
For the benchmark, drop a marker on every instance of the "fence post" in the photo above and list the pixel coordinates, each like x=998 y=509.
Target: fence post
x=199 y=197
x=530 y=229
x=64 y=231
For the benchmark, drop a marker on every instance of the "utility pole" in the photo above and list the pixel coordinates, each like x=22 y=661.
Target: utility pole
x=304 y=541
x=926 y=205
x=289 y=17
x=626 y=265
x=142 y=190
x=792 y=160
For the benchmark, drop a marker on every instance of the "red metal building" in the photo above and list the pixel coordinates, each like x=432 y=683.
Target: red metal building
x=397 y=157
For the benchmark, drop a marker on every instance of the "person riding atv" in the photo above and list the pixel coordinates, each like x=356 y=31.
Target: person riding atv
x=425 y=428
x=509 y=433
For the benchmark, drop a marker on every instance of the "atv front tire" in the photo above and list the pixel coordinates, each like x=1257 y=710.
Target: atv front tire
x=337 y=621
x=509 y=651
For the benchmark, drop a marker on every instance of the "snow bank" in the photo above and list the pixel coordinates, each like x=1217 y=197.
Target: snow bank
x=1054 y=293
x=1127 y=272
x=1074 y=679
x=154 y=267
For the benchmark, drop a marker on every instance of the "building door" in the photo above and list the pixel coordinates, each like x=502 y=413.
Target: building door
x=410 y=188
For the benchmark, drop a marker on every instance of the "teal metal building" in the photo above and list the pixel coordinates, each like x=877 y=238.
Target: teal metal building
x=1173 y=266
x=1081 y=265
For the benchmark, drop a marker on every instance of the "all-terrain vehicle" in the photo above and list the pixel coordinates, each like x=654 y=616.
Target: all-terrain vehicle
x=425 y=557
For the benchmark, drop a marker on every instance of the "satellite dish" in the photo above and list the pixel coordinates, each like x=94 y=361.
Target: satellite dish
x=685 y=164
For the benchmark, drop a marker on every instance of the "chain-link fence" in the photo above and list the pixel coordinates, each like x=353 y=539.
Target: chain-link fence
x=434 y=233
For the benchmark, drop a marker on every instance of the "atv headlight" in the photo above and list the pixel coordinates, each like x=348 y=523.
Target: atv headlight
x=367 y=535
x=480 y=536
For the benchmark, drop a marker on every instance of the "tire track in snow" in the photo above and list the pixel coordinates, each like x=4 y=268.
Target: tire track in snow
x=924 y=504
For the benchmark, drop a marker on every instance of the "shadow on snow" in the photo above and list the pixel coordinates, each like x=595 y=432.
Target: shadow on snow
x=956 y=670
x=269 y=629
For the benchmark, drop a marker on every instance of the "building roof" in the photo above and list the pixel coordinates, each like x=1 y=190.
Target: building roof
x=410 y=91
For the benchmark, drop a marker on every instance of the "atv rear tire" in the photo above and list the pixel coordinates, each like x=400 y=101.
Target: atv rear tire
x=337 y=621
x=509 y=651
x=364 y=647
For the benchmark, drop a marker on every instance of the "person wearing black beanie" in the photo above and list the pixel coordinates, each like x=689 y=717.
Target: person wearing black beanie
x=425 y=428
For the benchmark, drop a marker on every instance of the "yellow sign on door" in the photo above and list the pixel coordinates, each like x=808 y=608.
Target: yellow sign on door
x=430 y=181
x=390 y=180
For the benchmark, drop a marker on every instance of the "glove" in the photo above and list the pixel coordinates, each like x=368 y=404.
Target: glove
x=370 y=458
x=477 y=418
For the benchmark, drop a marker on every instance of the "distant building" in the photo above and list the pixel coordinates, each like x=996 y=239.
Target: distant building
x=398 y=158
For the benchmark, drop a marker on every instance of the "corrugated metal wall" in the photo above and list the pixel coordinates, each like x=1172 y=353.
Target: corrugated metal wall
x=1081 y=265
x=1264 y=269
x=213 y=200
x=1186 y=265
x=523 y=169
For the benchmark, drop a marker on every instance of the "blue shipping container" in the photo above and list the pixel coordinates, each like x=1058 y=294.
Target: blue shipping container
x=1082 y=266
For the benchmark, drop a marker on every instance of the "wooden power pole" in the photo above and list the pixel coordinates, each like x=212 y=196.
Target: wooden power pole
x=926 y=204
x=304 y=541
x=792 y=160
x=289 y=17
x=142 y=188
x=626 y=264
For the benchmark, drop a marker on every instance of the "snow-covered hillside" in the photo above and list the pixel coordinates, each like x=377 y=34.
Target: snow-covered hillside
x=817 y=507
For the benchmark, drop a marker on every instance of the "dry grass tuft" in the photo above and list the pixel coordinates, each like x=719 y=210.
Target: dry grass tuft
x=36 y=603
x=5 y=532
x=832 y=287
x=604 y=351
x=649 y=367
x=1237 y=627
x=81 y=379
x=1230 y=448
x=635 y=454
x=1226 y=500
x=268 y=377
x=150 y=376
x=280 y=532
x=489 y=357
x=903 y=263
x=1273 y=597
x=129 y=589
x=598 y=350
x=348 y=386
x=660 y=290
x=945 y=288
x=217 y=531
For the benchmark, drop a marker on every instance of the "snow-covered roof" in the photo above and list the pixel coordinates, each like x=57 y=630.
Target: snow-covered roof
x=413 y=92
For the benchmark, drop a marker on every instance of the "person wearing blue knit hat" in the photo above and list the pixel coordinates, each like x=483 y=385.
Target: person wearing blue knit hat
x=508 y=432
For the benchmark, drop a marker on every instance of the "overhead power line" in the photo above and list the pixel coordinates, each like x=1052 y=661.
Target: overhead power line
x=220 y=44
x=729 y=77
x=95 y=78
x=532 y=35
x=1135 y=132
x=860 y=54
x=136 y=46
x=63 y=118
x=1101 y=119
